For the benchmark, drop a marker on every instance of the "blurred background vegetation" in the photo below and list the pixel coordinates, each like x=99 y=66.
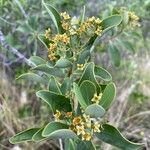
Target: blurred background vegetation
x=21 y=24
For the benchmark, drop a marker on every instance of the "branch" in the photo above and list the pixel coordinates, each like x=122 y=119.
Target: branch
x=13 y=50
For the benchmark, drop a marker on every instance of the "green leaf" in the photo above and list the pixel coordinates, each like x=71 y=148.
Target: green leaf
x=66 y=86
x=102 y=73
x=83 y=57
x=58 y=130
x=128 y=46
x=111 y=22
x=32 y=77
x=54 y=85
x=78 y=95
x=108 y=95
x=111 y=135
x=85 y=145
x=38 y=136
x=55 y=101
x=63 y=63
x=36 y=60
x=69 y=144
x=88 y=90
x=25 y=28
x=95 y=111
x=114 y=55
x=88 y=74
x=82 y=16
x=55 y=16
x=23 y=136
x=49 y=70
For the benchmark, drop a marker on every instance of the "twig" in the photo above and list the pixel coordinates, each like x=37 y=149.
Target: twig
x=137 y=115
x=123 y=103
x=13 y=50
x=21 y=8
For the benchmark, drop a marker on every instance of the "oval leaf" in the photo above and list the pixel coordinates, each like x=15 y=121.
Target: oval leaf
x=63 y=134
x=49 y=70
x=23 y=136
x=111 y=135
x=83 y=56
x=66 y=86
x=54 y=85
x=88 y=74
x=38 y=136
x=58 y=130
x=114 y=55
x=55 y=101
x=63 y=63
x=111 y=22
x=102 y=73
x=54 y=15
x=36 y=60
x=95 y=111
x=85 y=145
x=88 y=90
x=78 y=95
x=32 y=77
x=108 y=96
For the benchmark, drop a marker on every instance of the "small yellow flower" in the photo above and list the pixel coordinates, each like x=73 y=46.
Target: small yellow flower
x=65 y=38
x=47 y=33
x=92 y=19
x=57 y=115
x=69 y=114
x=81 y=29
x=86 y=117
x=87 y=120
x=72 y=32
x=96 y=98
x=86 y=137
x=96 y=127
x=61 y=38
x=80 y=129
x=77 y=121
x=80 y=66
x=52 y=56
x=98 y=21
x=98 y=31
x=52 y=46
x=65 y=15
x=65 y=25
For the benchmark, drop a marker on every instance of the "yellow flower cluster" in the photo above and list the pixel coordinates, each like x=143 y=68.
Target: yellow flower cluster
x=96 y=98
x=61 y=38
x=133 y=18
x=82 y=125
x=93 y=23
x=72 y=27
x=52 y=49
